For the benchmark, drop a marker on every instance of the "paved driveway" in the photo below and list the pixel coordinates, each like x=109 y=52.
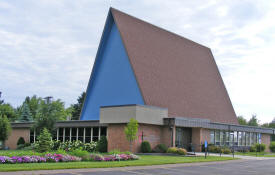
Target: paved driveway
x=236 y=167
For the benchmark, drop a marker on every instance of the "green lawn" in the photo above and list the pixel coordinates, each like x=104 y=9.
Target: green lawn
x=259 y=154
x=145 y=160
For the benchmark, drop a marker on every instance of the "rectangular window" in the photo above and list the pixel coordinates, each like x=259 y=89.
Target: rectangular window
x=212 y=137
x=247 y=139
x=95 y=133
x=235 y=138
x=227 y=138
x=217 y=137
x=67 y=134
x=239 y=138
x=80 y=134
x=60 y=136
x=87 y=135
x=231 y=138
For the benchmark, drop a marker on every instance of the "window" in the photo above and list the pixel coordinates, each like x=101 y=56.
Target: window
x=60 y=134
x=95 y=133
x=67 y=134
x=235 y=138
x=73 y=134
x=247 y=139
x=80 y=134
x=87 y=135
x=217 y=137
x=212 y=137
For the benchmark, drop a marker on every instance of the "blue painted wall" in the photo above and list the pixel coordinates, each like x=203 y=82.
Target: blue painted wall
x=112 y=81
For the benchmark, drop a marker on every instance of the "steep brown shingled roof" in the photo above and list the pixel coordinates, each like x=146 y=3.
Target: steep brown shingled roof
x=174 y=72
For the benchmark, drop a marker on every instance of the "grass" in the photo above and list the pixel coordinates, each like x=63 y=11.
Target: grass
x=258 y=154
x=144 y=160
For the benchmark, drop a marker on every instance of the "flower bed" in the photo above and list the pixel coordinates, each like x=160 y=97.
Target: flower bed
x=66 y=158
x=39 y=159
x=114 y=157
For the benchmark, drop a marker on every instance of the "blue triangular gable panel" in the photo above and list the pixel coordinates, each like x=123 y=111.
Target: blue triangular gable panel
x=112 y=81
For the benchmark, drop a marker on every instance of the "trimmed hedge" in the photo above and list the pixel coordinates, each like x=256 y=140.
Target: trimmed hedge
x=146 y=147
x=160 y=148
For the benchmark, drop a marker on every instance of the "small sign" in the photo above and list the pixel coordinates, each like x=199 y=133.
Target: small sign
x=205 y=143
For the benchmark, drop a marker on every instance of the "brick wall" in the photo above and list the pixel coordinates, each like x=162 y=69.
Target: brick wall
x=16 y=133
x=266 y=141
x=153 y=133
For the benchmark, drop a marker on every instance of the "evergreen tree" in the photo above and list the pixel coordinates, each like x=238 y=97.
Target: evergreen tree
x=26 y=114
x=78 y=106
x=44 y=141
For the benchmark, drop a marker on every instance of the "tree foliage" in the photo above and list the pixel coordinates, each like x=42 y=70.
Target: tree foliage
x=33 y=103
x=44 y=141
x=7 y=110
x=253 y=121
x=78 y=106
x=5 y=128
x=48 y=114
x=26 y=114
x=242 y=120
x=131 y=131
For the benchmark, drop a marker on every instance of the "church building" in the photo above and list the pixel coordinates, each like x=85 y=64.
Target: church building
x=169 y=84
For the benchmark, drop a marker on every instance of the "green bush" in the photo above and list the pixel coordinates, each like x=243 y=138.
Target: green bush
x=272 y=146
x=44 y=142
x=70 y=146
x=226 y=151
x=253 y=148
x=173 y=150
x=214 y=149
x=146 y=147
x=260 y=147
x=79 y=153
x=181 y=151
x=21 y=141
x=160 y=148
x=102 y=145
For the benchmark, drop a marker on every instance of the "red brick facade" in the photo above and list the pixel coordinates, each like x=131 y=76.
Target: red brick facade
x=153 y=133
x=16 y=133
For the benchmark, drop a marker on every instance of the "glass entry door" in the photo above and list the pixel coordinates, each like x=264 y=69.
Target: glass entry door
x=183 y=137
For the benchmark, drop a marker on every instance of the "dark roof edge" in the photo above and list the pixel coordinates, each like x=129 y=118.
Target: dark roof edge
x=147 y=106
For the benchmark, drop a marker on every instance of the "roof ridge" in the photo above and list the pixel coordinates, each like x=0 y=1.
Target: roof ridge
x=158 y=27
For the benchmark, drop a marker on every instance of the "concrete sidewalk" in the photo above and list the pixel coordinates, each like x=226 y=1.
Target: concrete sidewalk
x=236 y=156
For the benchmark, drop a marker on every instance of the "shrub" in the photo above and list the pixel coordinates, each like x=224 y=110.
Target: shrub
x=102 y=144
x=21 y=141
x=272 y=146
x=181 y=151
x=172 y=150
x=214 y=149
x=226 y=151
x=260 y=147
x=253 y=148
x=79 y=153
x=161 y=148
x=145 y=147
x=44 y=142
x=70 y=146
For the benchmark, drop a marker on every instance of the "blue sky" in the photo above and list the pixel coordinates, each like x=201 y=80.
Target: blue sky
x=47 y=47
